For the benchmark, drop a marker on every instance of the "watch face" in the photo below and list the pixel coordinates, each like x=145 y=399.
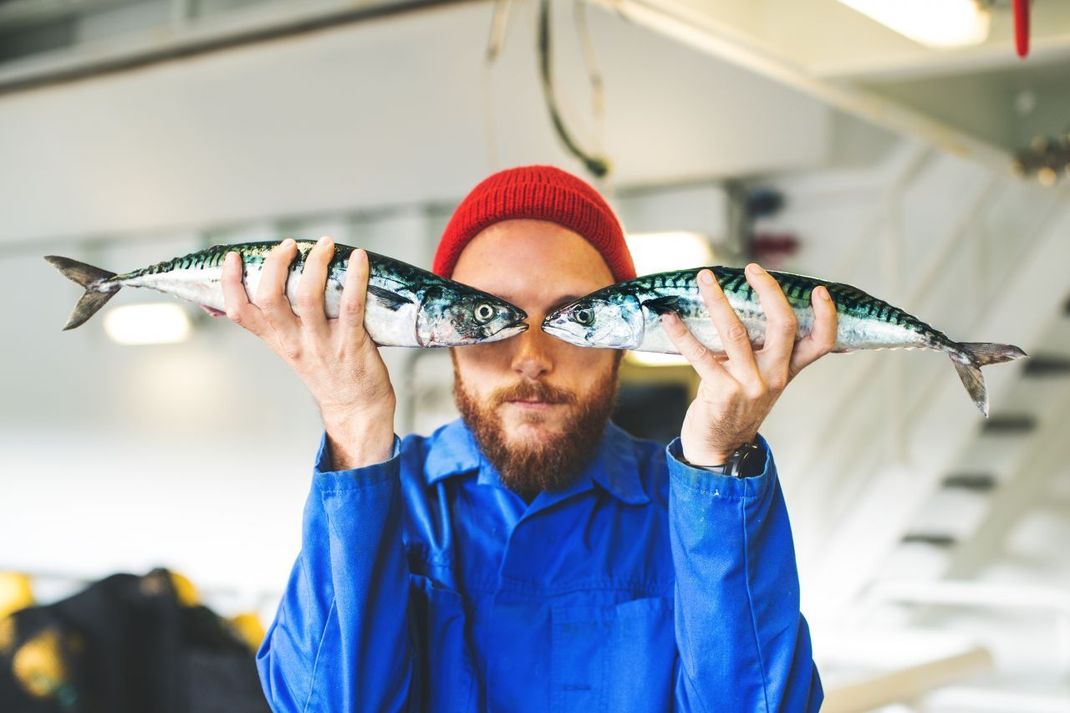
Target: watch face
x=745 y=461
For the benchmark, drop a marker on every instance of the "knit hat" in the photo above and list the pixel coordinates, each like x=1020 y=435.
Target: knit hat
x=538 y=193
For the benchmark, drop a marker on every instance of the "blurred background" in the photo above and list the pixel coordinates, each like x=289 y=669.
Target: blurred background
x=906 y=148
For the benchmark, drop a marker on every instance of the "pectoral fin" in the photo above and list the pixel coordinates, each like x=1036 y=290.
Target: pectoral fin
x=391 y=300
x=663 y=305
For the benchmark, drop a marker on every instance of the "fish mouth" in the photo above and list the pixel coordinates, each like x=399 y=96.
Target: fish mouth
x=561 y=332
x=511 y=330
x=550 y=324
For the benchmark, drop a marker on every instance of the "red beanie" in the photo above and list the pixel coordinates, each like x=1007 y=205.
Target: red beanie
x=538 y=193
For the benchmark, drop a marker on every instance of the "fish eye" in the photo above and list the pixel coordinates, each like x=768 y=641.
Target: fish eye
x=484 y=312
x=584 y=316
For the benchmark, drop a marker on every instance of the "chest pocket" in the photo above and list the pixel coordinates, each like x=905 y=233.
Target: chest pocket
x=616 y=658
x=445 y=677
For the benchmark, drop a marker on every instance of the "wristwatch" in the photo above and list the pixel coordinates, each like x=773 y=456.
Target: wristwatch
x=744 y=462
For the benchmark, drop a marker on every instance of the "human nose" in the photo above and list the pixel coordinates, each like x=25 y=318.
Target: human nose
x=532 y=357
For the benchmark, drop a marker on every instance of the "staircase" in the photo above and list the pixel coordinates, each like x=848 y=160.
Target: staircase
x=903 y=497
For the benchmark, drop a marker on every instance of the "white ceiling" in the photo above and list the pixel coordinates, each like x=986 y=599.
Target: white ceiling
x=946 y=95
x=383 y=112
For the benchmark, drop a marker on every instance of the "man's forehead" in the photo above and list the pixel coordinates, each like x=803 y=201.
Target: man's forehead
x=512 y=249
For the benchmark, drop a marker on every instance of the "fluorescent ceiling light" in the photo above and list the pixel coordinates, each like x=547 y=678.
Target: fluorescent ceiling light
x=151 y=323
x=655 y=359
x=662 y=252
x=935 y=23
x=674 y=250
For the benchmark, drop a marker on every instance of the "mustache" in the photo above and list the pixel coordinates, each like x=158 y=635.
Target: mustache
x=532 y=391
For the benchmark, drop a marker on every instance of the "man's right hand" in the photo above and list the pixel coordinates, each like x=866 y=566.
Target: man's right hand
x=335 y=358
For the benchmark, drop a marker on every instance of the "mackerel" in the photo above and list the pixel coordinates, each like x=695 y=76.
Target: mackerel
x=406 y=306
x=627 y=316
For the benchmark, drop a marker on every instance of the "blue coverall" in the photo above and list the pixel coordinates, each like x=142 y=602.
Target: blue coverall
x=423 y=584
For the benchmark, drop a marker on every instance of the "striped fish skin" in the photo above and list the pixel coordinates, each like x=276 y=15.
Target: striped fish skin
x=627 y=315
x=405 y=306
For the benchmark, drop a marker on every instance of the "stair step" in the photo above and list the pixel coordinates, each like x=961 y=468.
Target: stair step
x=1011 y=424
x=1046 y=365
x=936 y=539
x=977 y=482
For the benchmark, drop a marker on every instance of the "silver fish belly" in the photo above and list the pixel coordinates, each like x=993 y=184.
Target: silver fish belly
x=628 y=316
x=406 y=306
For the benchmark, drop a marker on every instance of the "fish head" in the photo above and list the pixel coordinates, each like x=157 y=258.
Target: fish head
x=453 y=316
x=608 y=322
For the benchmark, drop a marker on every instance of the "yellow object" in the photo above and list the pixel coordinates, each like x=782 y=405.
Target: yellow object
x=184 y=590
x=250 y=628
x=38 y=665
x=15 y=592
x=7 y=635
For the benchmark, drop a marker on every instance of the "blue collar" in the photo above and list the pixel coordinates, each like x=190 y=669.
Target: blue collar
x=454 y=451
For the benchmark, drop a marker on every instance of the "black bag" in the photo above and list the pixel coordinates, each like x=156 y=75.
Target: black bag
x=125 y=645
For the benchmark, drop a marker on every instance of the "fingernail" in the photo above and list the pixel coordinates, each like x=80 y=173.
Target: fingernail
x=706 y=277
x=824 y=292
x=288 y=242
x=755 y=269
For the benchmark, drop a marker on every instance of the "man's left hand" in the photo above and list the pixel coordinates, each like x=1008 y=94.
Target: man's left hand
x=738 y=388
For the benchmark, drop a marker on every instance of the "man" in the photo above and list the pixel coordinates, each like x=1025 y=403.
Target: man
x=531 y=556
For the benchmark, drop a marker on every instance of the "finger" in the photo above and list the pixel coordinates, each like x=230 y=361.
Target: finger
x=236 y=300
x=780 y=327
x=704 y=361
x=822 y=337
x=733 y=333
x=271 y=292
x=275 y=272
x=313 y=285
x=354 y=298
x=272 y=300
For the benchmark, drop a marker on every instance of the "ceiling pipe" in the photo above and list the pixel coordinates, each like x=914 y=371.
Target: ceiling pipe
x=227 y=31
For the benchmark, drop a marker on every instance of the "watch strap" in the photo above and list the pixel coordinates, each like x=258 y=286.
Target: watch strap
x=744 y=462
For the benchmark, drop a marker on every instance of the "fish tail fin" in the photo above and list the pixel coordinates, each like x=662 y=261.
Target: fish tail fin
x=985 y=353
x=90 y=278
x=968 y=359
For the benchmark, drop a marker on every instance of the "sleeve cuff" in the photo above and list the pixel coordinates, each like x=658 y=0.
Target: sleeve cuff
x=716 y=484
x=365 y=475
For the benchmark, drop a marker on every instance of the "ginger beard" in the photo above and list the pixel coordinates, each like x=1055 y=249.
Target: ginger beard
x=537 y=454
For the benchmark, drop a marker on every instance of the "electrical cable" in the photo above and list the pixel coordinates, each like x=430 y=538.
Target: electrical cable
x=594 y=74
x=597 y=165
x=498 y=25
